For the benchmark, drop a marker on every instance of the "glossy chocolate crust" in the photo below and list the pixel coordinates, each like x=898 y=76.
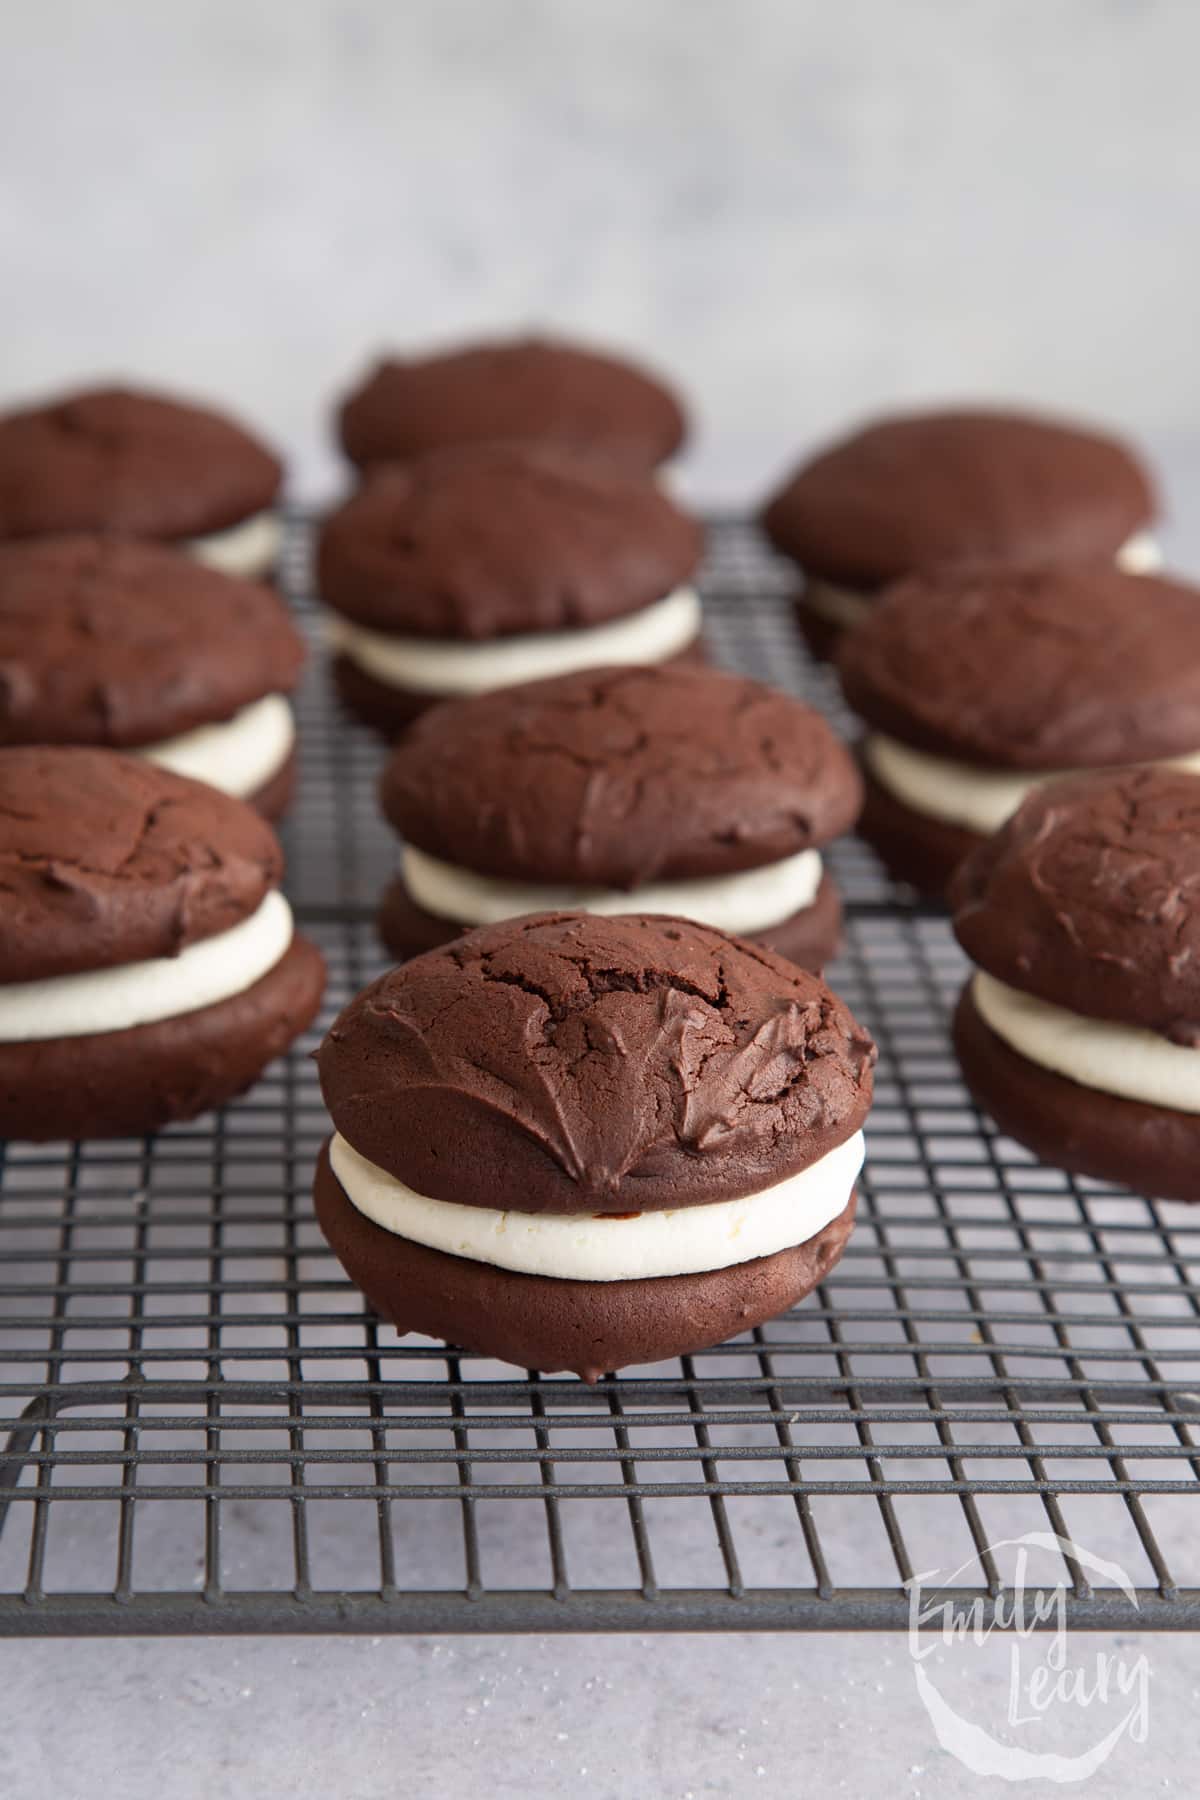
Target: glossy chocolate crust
x=110 y=642
x=1152 y=1149
x=532 y=389
x=108 y=859
x=498 y=540
x=389 y=710
x=617 y=777
x=586 y=1327
x=926 y=490
x=125 y=1083
x=139 y=464
x=810 y=938
x=1020 y=669
x=912 y=846
x=1089 y=897
x=574 y=1064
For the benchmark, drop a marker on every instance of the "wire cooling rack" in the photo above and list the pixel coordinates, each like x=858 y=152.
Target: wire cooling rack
x=202 y=1431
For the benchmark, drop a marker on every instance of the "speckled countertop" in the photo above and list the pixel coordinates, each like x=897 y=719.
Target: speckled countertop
x=629 y=1718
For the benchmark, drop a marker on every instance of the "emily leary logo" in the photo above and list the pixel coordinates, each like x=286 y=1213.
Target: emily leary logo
x=1050 y=1678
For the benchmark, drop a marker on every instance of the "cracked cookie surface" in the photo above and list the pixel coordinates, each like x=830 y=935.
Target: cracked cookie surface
x=1032 y=669
x=571 y=1063
x=621 y=776
x=122 y=460
x=496 y=540
x=106 y=641
x=1090 y=898
x=928 y=489
x=107 y=859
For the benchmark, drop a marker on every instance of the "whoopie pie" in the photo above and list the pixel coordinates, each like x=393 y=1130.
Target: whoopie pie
x=1080 y=1028
x=133 y=646
x=977 y=687
x=140 y=464
x=479 y=568
x=923 y=491
x=527 y=390
x=673 y=790
x=576 y=1142
x=148 y=964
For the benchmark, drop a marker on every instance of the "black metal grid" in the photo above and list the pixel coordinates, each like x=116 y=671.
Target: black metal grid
x=206 y=1433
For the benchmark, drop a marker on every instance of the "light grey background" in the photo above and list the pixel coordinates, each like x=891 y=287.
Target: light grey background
x=803 y=210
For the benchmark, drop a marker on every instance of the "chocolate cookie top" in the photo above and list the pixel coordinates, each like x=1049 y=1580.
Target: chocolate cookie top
x=106 y=859
x=1025 y=669
x=931 y=489
x=527 y=390
x=119 y=460
x=494 y=540
x=621 y=776
x=1089 y=897
x=110 y=641
x=568 y=1063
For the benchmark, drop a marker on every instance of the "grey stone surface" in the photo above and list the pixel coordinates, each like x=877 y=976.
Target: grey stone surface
x=688 y=1718
x=804 y=211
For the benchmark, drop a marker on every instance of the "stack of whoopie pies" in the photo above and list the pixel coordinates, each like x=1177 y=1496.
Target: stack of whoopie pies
x=606 y=1111
x=149 y=968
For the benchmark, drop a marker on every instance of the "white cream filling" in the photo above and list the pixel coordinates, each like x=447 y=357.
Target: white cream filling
x=451 y=666
x=590 y=1247
x=961 y=794
x=751 y=900
x=239 y=755
x=840 y=606
x=1140 y=554
x=116 y=999
x=846 y=607
x=1126 y=1060
x=250 y=548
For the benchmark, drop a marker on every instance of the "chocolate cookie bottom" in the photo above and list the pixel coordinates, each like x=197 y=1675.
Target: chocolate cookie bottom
x=586 y=1327
x=1152 y=1149
x=125 y=1083
x=912 y=846
x=820 y=634
x=388 y=709
x=274 y=797
x=810 y=938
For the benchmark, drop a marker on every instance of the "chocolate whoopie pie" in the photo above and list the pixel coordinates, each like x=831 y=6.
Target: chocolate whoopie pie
x=977 y=687
x=530 y=390
x=478 y=568
x=144 y=465
x=133 y=646
x=668 y=790
x=148 y=965
x=576 y=1142
x=928 y=490
x=1080 y=1030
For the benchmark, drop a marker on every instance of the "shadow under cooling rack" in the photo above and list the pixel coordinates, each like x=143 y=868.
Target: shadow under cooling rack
x=202 y=1430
